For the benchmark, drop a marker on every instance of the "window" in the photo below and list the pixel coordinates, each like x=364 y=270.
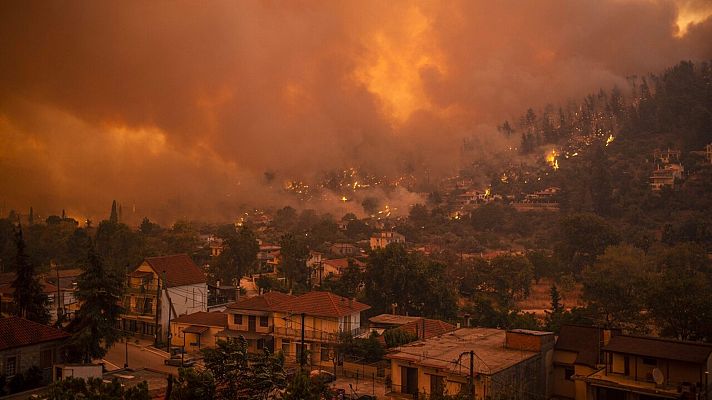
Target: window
x=568 y=373
x=437 y=385
x=10 y=366
x=148 y=305
x=286 y=347
x=299 y=351
x=650 y=361
x=260 y=344
x=325 y=353
x=46 y=358
x=264 y=321
x=347 y=324
x=237 y=319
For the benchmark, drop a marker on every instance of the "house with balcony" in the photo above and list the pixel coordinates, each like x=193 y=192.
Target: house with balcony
x=578 y=353
x=324 y=316
x=253 y=319
x=506 y=365
x=648 y=368
x=383 y=239
x=159 y=289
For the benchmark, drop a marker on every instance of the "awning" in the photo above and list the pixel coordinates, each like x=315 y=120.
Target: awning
x=196 y=329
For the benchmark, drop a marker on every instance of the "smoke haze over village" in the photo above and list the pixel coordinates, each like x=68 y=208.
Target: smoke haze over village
x=181 y=107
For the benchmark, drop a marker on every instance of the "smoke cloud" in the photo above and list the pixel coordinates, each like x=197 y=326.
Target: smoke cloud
x=179 y=108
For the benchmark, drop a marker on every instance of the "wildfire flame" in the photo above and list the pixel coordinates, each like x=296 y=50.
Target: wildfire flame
x=551 y=159
x=610 y=139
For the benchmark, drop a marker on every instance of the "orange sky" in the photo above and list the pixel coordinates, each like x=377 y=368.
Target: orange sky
x=181 y=107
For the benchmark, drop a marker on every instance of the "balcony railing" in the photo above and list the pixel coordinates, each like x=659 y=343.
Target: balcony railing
x=142 y=289
x=310 y=334
x=141 y=311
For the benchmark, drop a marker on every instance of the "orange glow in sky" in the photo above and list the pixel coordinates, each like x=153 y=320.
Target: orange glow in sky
x=393 y=70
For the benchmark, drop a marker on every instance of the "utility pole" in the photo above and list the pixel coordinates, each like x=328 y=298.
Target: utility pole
x=127 y=284
x=170 y=306
x=472 y=375
x=301 y=356
x=59 y=306
x=158 y=310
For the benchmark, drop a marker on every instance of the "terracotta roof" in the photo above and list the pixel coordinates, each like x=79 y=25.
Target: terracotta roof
x=196 y=329
x=343 y=263
x=180 y=270
x=203 y=318
x=19 y=332
x=668 y=349
x=584 y=340
x=392 y=319
x=265 y=302
x=47 y=288
x=433 y=327
x=322 y=304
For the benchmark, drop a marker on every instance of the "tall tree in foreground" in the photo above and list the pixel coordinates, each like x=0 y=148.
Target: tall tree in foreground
x=93 y=329
x=30 y=301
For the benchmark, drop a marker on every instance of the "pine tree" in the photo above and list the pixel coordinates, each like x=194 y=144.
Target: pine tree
x=556 y=306
x=30 y=301
x=114 y=217
x=93 y=329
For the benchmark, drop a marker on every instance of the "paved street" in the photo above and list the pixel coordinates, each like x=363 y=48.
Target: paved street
x=360 y=386
x=140 y=356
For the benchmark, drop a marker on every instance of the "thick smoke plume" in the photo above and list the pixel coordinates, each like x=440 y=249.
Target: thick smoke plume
x=181 y=107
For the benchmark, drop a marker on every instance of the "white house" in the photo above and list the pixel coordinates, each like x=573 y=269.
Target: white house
x=162 y=288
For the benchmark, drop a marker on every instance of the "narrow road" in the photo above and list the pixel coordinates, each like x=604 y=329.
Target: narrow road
x=139 y=357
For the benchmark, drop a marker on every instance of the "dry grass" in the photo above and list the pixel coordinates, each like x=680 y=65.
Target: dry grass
x=540 y=297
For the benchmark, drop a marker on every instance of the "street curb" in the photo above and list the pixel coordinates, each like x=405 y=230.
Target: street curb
x=156 y=351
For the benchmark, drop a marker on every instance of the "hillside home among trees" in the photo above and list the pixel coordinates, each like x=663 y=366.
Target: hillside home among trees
x=383 y=239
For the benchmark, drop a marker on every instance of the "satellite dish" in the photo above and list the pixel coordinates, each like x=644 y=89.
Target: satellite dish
x=658 y=376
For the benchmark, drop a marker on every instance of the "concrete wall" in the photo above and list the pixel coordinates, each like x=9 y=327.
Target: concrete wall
x=563 y=387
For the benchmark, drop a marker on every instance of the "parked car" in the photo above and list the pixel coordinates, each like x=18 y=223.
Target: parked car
x=178 y=362
x=321 y=376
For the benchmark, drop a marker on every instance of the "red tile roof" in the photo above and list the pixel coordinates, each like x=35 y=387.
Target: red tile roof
x=433 y=327
x=265 y=302
x=343 y=263
x=179 y=268
x=19 y=332
x=322 y=304
x=203 y=318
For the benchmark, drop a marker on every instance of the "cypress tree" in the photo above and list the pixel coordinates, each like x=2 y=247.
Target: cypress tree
x=32 y=216
x=29 y=298
x=114 y=217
